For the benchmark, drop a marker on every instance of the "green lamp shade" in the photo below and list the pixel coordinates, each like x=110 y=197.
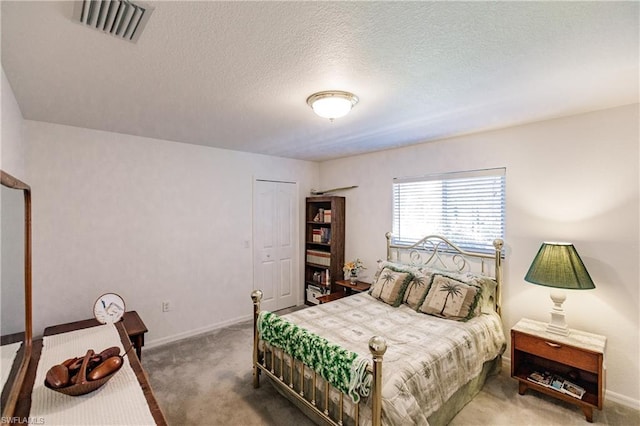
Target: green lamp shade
x=559 y=265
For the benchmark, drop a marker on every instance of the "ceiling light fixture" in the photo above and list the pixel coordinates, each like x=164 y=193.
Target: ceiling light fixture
x=332 y=104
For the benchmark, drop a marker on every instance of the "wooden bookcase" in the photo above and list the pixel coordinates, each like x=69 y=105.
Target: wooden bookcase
x=324 y=243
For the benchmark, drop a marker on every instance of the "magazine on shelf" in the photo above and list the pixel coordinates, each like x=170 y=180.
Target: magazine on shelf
x=558 y=383
x=543 y=379
x=572 y=389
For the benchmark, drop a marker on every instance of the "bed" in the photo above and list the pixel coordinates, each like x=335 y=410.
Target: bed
x=431 y=317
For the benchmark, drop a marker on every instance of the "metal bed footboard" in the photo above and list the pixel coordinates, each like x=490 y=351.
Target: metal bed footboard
x=432 y=250
x=292 y=380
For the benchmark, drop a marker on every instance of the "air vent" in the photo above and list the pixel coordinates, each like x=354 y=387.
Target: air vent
x=120 y=18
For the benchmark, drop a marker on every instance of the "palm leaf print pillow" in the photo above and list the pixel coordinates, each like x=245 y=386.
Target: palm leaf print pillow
x=390 y=286
x=451 y=299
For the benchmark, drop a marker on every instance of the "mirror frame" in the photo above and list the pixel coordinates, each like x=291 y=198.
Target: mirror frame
x=15 y=386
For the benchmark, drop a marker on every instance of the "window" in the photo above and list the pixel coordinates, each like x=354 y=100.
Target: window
x=466 y=207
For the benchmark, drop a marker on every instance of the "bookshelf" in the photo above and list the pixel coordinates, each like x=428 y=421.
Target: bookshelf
x=324 y=245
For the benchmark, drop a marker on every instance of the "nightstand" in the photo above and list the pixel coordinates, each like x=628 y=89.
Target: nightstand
x=330 y=297
x=345 y=288
x=349 y=289
x=578 y=358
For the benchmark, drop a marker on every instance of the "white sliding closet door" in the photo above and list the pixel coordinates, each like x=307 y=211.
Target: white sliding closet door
x=275 y=237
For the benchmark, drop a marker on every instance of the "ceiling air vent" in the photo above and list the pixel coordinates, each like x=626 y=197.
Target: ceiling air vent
x=120 y=18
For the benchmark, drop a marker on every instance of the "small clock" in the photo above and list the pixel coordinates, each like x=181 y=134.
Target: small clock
x=109 y=308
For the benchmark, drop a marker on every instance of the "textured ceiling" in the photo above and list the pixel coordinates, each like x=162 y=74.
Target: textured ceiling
x=236 y=74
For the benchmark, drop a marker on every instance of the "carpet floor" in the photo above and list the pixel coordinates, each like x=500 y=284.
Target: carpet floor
x=206 y=380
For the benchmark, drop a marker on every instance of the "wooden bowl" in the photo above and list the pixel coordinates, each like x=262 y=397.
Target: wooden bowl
x=85 y=386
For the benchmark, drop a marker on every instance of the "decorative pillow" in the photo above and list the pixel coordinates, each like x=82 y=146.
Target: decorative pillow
x=390 y=286
x=417 y=289
x=487 y=285
x=398 y=267
x=450 y=298
x=379 y=269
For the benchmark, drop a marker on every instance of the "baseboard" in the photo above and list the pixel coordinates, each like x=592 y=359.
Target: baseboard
x=506 y=363
x=608 y=395
x=195 y=332
x=621 y=399
x=201 y=330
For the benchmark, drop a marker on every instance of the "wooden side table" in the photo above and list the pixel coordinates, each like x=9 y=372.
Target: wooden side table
x=345 y=288
x=578 y=358
x=23 y=406
x=131 y=320
x=330 y=297
x=135 y=330
x=349 y=289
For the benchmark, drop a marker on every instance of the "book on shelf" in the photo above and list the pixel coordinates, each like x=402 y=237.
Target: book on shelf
x=321 y=235
x=327 y=216
x=325 y=235
x=319 y=257
x=556 y=382
x=322 y=278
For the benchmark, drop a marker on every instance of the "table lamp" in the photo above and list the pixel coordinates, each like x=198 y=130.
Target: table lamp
x=558 y=265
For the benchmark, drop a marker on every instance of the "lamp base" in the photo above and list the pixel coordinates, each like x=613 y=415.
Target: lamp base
x=558 y=325
x=554 y=329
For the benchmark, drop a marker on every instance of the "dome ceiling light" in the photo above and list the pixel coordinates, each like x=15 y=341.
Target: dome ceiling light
x=332 y=104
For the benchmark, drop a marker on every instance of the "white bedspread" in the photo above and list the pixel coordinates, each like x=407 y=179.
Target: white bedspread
x=7 y=356
x=427 y=359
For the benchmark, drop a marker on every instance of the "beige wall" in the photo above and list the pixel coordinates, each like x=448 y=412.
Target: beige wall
x=12 y=149
x=148 y=219
x=12 y=161
x=572 y=179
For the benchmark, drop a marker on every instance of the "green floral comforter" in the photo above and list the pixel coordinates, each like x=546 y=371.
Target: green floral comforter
x=343 y=369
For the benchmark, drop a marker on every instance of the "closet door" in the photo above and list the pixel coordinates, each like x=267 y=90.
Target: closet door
x=275 y=236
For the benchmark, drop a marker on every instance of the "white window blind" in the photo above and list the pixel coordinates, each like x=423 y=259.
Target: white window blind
x=466 y=207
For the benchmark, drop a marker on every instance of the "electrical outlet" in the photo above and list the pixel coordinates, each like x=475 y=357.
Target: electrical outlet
x=166 y=306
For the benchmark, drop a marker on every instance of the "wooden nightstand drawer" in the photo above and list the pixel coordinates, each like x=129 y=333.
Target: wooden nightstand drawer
x=559 y=352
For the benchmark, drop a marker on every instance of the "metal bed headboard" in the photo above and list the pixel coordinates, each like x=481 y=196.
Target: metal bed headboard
x=438 y=252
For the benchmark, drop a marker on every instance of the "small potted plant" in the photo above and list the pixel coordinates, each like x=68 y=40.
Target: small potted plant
x=352 y=269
